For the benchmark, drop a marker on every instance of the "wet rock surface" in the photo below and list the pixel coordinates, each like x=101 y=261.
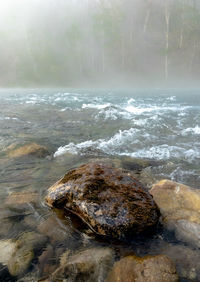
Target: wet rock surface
x=148 y=269
x=110 y=201
x=141 y=169
x=180 y=208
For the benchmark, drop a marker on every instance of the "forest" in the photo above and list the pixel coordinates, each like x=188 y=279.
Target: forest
x=100 y=43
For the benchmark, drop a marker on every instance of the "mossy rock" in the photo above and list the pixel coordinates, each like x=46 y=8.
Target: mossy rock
x=110 y=201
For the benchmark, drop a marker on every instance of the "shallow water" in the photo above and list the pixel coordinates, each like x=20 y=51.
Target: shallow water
x=162 y=125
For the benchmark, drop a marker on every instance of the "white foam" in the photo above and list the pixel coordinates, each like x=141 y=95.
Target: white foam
x=159 y=152
x=65 y=109
x=110 y=146
x=74 y=149
x=31 y=102
x=117 y=145
x=141 y=122
x=137 y=111
x=113 y=113
x=192 y=154
x=95 y=106
x=142 y=110
x=191 y=130
x=182 y=114
x=129 y=111
x=9 y=118
x=172 y=98
x=120 y=139
x=123 y=142
x=166 y=152
x=131 y=101
x=34 y=98
x=58 y=99
x=77 y=99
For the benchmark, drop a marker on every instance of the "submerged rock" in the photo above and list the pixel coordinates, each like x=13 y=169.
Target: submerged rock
x=30 y=277
x=187 y=260
x=111 y=202
x=11 y=226
x=137 y=164
x=180 y=207
x=59 y=233
x=87 y=266
x=20 y=261
x=188 y=231
x=32 y=149
x=25 y=248
x=148 y=269
x=5 y=275
x=20 y=198
x=45 y=260
x=146 y=176
x=7 y=248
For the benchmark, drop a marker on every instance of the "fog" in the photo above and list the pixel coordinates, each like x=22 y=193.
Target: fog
x=86 y=43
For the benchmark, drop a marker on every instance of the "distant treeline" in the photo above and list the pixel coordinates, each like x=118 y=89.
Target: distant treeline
x=73 y=43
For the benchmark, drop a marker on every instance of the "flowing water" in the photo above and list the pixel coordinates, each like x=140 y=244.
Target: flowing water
x=77 y=125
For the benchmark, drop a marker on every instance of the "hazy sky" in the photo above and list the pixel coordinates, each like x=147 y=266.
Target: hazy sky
x=75 y=42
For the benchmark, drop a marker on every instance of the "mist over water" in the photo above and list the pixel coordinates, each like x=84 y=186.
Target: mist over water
x=90 y=43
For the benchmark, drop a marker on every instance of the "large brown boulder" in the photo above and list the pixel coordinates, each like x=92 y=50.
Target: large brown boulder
x=180 y=207
x=110 y=201
x=148 y=269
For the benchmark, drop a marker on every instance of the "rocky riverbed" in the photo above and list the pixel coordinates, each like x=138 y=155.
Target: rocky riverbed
x=110 y=219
